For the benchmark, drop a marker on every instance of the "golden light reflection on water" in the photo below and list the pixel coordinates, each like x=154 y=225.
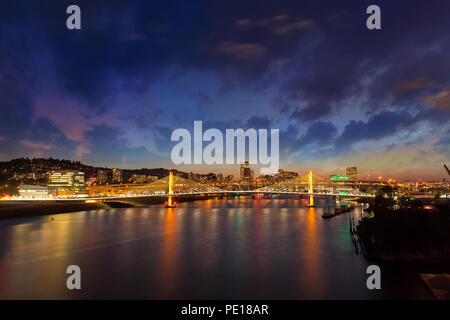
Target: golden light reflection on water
x=266 y=248
x=54 y=238
x=258 y=256
x=169 y=266
x=312 y=264
x=207 y=222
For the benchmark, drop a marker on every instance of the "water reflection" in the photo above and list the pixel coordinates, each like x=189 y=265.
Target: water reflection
x=228 y=248
x=312 y=266
x=169 y=250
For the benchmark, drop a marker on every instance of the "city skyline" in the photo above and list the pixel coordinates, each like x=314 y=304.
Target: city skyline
x=224 y=157
x=353 y=173
x=111 y=93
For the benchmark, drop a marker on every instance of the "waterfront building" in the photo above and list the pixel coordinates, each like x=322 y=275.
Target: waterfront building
x=67 y=182
x=29 y=191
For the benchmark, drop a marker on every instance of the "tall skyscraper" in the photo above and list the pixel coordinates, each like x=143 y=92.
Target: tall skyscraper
x=245 y=172
x=351 y=173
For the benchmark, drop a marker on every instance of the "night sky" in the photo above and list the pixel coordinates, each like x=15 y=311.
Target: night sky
x=111 y=93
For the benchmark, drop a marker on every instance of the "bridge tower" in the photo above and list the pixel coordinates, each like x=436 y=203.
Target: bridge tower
x=448 y=170
x=310 y=189
x=170 y=203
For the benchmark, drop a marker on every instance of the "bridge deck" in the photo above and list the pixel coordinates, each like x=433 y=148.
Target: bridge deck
x=240 y=192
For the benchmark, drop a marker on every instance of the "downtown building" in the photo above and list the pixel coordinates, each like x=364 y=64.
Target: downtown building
x=102 y=176
x=246 y=174
x=351 y=173
x=68 y=183
x=32 y=191
x=142 y=178
x=117 y=175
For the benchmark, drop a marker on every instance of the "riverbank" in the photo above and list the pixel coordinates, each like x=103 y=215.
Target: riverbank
x=433 y=258
x=17 y=209
x=408 y=235
x=439 y=284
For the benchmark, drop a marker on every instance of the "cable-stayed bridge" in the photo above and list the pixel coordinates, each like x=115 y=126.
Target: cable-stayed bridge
x=158 y=187
x=172 y=186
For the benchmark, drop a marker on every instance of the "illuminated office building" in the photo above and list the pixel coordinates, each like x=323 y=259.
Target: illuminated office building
x=28 y=191
x=351 y=174
x=245 y=172
x=336 y=177
x=67 y=181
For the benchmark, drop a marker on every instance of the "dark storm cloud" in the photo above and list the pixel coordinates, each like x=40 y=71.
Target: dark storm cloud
x=280 y=24
x=258 y=122
x=123 y=43
x=106 y=142
x=129 y=45
x=350 y=60
x=442 y=146
x=240 y=50
x=16 y=108
x=327 y=141
x=439 y=99
x=44 y=130
x=17 y=81
x=387 y=124
x=378 y=126
x=20 y=133
x=318 y=135
x=315 y=56
x=204 y=100
x=163 y=136
x=320 y=132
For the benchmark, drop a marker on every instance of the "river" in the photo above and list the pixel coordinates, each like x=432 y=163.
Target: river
x=235 y=248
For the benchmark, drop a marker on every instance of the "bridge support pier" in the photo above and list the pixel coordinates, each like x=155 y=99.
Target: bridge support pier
x=170 y=203
x=310 y=189
x=311 y=201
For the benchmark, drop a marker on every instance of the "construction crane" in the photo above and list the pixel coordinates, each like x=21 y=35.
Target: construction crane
x=448 y=171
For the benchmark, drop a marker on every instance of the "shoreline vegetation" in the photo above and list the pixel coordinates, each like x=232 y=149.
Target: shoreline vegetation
x=404 y=231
